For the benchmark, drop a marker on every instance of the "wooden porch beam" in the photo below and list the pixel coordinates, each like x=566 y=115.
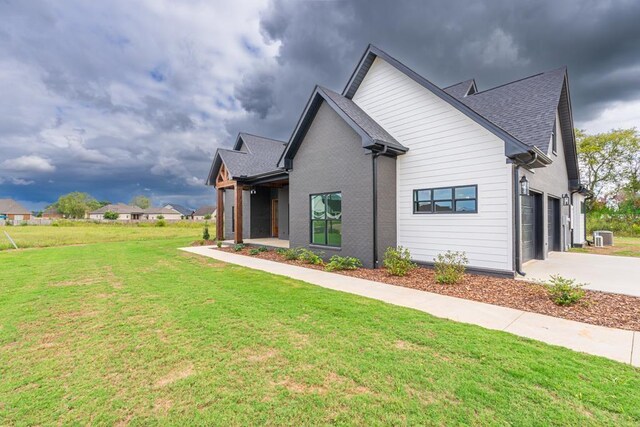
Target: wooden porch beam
x=238 y=214
x=220 y=215
x=224 y=184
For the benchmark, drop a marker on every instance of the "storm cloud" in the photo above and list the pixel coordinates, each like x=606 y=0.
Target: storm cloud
x=118 y=98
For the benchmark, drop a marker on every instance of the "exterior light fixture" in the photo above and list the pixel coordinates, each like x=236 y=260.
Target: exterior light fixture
x=524 y=186
x=565 y=199
x=253 y=191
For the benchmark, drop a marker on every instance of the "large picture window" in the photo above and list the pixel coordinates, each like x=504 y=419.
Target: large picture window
x=326 y=219
x=462 y=199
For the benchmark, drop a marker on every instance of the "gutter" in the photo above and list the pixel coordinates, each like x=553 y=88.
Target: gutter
x=374 y=167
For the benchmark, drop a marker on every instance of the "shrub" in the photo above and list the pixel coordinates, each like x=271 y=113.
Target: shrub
x=160 y=217
x=564 y=291
x=398 y=261
x=288 y=254
x=207 y=216
x=309 y=257
x=450 y=267
x=205 y=232
x=338 y=262
x=238 y=247
x=111 y=215
x=263 y=249
x=254 y=251
x=161 y=223
x=24 y=223
x=219 y=244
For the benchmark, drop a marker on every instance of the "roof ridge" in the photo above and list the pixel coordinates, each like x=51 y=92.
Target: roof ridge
x=519 y=80
x=261 y=137
x=459 y=83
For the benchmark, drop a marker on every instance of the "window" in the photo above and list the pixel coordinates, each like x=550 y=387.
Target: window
x=233 y=219
x=554 y=140
x=326 y=219
x=463 y=199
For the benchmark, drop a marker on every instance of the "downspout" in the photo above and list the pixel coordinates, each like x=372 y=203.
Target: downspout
x=516 y=194
x=374 y=167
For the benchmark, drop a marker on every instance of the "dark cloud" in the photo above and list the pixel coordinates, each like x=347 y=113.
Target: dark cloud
x=493 y=41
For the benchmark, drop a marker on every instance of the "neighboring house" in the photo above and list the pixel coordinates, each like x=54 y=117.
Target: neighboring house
x=166 y=213
x=52 y=213
x=204 y=211
x=125 y=212
x=13 y=211
x=396 y=161
x=187 y=213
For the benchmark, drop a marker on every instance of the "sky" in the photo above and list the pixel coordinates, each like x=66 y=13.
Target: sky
x=119 y=98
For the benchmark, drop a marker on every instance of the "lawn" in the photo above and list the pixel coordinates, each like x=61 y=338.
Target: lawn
x=624 y=246
x=83 y=233
x=140 y=333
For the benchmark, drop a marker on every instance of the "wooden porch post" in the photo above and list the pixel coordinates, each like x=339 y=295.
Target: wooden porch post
x=238 y=219
x=220 y=215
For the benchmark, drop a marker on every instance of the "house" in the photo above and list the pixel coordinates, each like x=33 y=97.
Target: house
x=125 y=212
x=52 y=213
x=204 y=212
x=13 y=211
x=169 y=214
x=187 y=213
x=394 y=160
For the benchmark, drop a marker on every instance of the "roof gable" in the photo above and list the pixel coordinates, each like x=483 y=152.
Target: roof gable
x=512 y=145
x=373 y=135
x=251 y=156
x=10 y=206
x=462 y=89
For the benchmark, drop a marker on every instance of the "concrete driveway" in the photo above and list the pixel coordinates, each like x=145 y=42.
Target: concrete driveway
x=606 y=273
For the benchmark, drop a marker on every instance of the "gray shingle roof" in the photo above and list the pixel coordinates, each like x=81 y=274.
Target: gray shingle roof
x=205 y=210
x=161 y=211
x=183 y=210
x=261 y=157
x=362 y=119
x=119 y=208
x=525 y=108
x=10 y=206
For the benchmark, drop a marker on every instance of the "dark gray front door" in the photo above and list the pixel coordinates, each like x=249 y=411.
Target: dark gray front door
x=531 y=238
x=553 y=224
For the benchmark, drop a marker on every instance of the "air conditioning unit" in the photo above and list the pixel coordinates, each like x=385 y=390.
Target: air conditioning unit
x=597 y=241
x=607 y=237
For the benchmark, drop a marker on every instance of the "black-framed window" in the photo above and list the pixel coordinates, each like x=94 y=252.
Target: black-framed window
x=459 y=199
x=554 y=140
x=326 y=219
x=233 y=219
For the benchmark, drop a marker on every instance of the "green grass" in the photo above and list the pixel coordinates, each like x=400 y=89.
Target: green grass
x=140 y=333
x=624 y=246
x=82 y=233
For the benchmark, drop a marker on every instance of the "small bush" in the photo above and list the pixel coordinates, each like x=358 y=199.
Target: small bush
x=309 y=257
x=238 y=247
x=564 y=291
x=450 y=267
x=263 y=249
x=398 y=261
x=288 y=254
x=254 y=251
x=24 y=223
x=207 y=216
x=338 y=262
x=161 y=223
x=205 y=232
x=219 y=244
x=160 y=217
x=111 y=215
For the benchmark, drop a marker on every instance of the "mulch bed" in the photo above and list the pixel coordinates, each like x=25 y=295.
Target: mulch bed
x=597 y=308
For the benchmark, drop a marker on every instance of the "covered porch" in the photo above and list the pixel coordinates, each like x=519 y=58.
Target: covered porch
x=270 y=242
x=253 y=211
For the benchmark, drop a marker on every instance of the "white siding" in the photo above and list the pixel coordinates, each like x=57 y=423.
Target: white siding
x=446 y=148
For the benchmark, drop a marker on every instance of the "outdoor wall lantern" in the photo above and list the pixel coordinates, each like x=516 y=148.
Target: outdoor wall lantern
x=524 y=186
x=565 y=199
x=253 y=191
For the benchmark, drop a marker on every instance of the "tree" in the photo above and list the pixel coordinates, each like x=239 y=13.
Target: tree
x=143 y=202
x=75 y=205
x=609 y=161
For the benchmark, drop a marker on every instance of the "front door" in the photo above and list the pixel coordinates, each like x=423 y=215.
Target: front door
x=274 y=218
x=553 y=224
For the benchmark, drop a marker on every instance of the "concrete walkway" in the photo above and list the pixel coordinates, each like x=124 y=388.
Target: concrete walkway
x=607 y=273
x=611 y=343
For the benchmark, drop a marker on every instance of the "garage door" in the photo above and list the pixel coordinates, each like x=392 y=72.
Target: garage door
x=553 y=224
x=528 y=228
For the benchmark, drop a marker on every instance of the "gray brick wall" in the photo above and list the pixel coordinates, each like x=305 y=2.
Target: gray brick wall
x=330 y=159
